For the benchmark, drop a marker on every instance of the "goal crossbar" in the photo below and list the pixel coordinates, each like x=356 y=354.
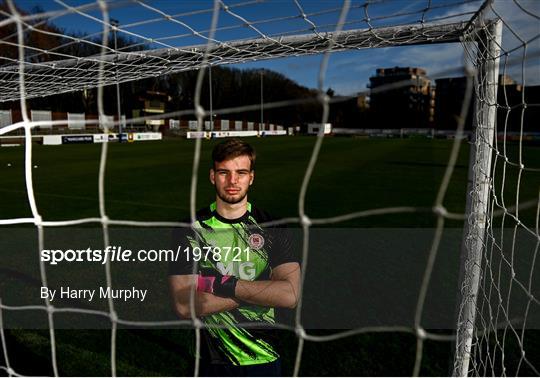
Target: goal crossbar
x=68 y=75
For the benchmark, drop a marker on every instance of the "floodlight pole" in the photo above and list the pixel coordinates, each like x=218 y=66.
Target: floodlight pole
x=211 y=108
x=114 y=24
x=478 y=190
x=262 y=102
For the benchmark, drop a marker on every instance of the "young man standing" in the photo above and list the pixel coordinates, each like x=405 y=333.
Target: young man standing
x=244 y=272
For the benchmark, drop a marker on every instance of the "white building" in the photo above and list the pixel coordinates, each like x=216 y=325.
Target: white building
x=315 y=128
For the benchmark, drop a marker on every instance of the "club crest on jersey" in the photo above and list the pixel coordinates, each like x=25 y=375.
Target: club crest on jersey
x=256 y=241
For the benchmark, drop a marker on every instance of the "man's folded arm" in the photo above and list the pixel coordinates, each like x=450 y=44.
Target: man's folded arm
x=282 y=290
x=221 y=293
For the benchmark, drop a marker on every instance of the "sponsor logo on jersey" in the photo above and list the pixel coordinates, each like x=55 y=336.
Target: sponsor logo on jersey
x=244 y=271
x=256 y=241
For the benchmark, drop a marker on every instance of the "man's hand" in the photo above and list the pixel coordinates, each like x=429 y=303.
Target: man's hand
x=217 y=284
x=205 y=303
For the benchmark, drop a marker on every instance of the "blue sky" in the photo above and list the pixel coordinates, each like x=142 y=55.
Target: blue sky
x=348 y=72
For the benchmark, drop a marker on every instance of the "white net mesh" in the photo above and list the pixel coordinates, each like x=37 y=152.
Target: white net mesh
x=40 y=60
x=492 y=279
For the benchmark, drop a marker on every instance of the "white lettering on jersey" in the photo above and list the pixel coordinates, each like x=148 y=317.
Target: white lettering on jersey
x=226 y=270
x=244 y=271
x=247 y=271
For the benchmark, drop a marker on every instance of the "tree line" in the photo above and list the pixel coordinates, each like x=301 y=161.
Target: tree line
x=231 y=87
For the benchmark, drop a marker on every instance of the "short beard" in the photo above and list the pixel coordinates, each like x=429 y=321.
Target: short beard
x=230 y=202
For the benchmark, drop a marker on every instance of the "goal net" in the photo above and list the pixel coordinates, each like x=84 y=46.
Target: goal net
x=479 y=116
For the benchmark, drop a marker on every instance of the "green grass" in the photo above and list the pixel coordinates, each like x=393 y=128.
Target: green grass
x=150 y=181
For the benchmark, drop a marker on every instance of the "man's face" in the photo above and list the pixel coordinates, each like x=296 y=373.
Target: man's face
x=232 y=179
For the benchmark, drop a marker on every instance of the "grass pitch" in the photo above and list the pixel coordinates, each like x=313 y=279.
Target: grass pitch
x=151 y=180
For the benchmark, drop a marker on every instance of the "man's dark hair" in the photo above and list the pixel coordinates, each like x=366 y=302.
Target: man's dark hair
x=232 y=148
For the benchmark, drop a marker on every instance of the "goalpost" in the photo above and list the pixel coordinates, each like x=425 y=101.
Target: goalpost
x=480 y=31
x=489 y=47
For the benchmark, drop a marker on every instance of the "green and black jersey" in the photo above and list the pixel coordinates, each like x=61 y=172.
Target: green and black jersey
x=238 y=247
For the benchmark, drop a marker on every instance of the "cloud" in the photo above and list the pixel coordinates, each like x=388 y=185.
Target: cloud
x=348 y=72
x=438 y=60
x=347 y=88
x=462 y=12
x=518 y=25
